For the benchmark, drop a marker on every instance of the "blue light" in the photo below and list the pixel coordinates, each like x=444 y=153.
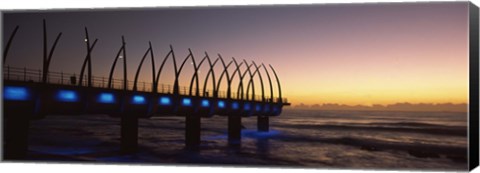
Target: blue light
x=235 y=105
x=138 y=99
x=106 y=98
x=275 y=109
x=67 y=96
x=246 y=106
x=259 y=135
x=258 y=108
x=187 y=102
x=15 y=93
x=267 y=108
x=165 y=100
x=221 y=104
x=205 y=103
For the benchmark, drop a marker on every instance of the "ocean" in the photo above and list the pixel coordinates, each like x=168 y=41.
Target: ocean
x=297 y=138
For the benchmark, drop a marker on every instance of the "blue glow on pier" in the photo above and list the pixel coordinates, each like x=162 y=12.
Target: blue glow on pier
x=187 y=102
x=138 y=99
x=235 y=105
x=165 y=101
x=246 y=106
x=67 y=96
x=16 y=93
x=106 y=98
x=205 y=103
x=221 y=104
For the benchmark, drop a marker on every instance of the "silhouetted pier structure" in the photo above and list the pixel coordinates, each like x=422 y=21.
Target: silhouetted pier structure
x=33 y=94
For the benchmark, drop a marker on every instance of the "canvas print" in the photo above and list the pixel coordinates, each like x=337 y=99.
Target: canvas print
x=349 y=86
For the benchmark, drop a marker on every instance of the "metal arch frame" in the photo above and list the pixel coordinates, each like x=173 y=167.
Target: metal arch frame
x=9 y=43
x=48 y=54
x=278 y=83
x=154 y=85
x=125 y=80
x=47 y=59
x=195 y=76
x=251 y=82
x=176 y=87
x=229 y=78
x=270 y=82
x=122 y=50
x=87 y=59
x=211 y=71
x=163 y=64
x=240 y=84
x=229 y=81
x=224 y=72
x=149 y=50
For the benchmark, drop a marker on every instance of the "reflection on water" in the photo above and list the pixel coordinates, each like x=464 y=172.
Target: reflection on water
x=345 y=139
x=253 y=133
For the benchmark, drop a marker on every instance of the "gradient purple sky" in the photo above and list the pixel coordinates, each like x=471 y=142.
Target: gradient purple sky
x=346 y=53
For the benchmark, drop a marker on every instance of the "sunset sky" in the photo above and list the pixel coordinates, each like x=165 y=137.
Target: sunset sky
x=347 y=54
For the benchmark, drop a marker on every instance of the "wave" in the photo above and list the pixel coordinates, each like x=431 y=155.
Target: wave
x=401 y=127
x=454 y=153
x=418 y=124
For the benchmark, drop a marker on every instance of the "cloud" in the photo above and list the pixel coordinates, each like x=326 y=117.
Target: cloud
x=403 y=106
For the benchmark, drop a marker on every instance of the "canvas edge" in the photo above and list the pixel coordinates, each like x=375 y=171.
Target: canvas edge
x=473 y=106
x=473 y=131
x=1 y=84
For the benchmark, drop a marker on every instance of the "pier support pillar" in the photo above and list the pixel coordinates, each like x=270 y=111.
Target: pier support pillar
x=192 y=131
x=15 y=130
x=234 y=130
x=263 y=123
x=129 y=132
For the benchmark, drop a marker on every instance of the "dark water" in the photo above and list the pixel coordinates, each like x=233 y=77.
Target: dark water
x=298 y=138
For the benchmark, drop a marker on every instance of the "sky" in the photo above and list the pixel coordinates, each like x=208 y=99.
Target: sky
x=339 y=53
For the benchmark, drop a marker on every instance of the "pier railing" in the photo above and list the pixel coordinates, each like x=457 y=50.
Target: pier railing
x=32 y=75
